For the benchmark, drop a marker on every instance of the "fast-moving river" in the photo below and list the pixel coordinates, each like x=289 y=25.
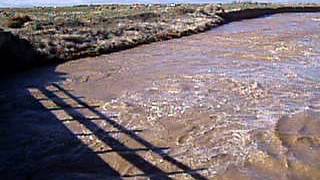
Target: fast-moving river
x=217 y=97
x=241 y=101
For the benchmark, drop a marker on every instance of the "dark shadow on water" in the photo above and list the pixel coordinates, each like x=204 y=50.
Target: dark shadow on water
x=150 y=170
x=36 y=144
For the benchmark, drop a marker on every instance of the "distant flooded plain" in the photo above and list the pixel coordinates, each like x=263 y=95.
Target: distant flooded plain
x=241 y=101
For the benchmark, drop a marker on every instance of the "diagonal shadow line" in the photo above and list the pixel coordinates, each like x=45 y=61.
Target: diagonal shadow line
x=134 y=136
x=48 y=99
x=64 y=107
x=45 y=164
x=136 y=160
x=87 y=118
x=169 y=173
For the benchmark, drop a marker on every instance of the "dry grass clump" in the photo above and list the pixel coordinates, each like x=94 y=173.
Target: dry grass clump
x=17 y=21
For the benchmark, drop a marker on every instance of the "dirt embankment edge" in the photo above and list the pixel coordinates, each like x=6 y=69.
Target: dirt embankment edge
x=19 y=54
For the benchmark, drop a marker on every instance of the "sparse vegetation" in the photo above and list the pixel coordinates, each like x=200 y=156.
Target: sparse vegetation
x=37 y=25
x=72 y=32
x=17 y=21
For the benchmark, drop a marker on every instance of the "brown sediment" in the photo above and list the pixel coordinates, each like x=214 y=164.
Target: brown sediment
x=300 y=134
x=291 y=153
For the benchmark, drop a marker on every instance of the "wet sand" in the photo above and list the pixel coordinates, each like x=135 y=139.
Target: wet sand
x=239 y=101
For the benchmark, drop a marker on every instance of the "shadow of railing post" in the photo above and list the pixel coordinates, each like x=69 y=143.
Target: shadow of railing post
x=150 y=170
x=41 y=146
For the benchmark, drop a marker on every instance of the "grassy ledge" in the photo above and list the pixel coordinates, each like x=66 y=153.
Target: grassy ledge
x=68 y=33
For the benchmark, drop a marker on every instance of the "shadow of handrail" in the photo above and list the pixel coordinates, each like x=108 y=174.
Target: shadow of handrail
x=152 y=171
x=148 y=169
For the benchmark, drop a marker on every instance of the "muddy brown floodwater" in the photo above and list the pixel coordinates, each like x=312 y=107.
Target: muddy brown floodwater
x=241 y=101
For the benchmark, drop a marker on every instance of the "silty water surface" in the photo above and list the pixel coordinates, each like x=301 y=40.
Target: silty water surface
x=216 y=97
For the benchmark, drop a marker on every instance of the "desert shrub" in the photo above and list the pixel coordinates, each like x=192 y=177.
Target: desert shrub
x=108 y=36
x=74 y=38
x=74 y=21
x=17 y=21
x=59 y=21
x=24 y=18
x=145 y=16
x=14 y=24
x=184 y=10
x=37 y=26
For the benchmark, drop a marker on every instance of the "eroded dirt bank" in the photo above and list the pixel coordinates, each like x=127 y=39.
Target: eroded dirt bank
x=241 y=101
x=63 y=34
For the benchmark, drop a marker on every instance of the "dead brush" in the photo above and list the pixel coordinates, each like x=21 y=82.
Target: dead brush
x=17 y=21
